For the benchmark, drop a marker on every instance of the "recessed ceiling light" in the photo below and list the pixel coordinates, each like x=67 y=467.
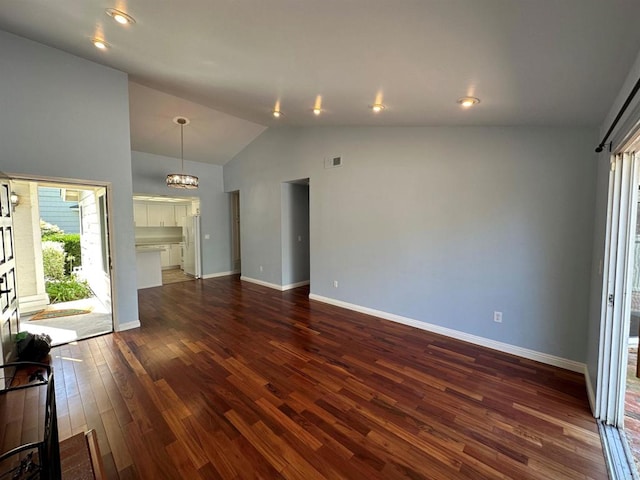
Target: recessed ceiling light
x=317 y=106
x=467 y=102
x=100 y=44
x=276 y=112
x=120 y=17
x=377 y=107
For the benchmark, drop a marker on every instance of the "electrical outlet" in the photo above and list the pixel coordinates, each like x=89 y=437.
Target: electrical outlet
x=497 y=317
x=261 y=269
x=335 y=284
x=299 y=238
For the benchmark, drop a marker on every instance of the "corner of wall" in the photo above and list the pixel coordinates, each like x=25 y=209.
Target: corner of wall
x=590 y=390
x=127 y=326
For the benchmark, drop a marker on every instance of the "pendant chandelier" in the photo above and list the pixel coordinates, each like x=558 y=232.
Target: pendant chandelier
x=182 y=180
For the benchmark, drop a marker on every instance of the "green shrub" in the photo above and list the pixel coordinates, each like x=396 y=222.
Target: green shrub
x=67 y=290
x=72 y=249
x=53 y=259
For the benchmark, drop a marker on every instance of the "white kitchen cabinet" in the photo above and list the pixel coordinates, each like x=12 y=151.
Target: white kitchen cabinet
x=171 y=257
x=164 y=256
x=140 y=215
x=175 y=256
x=181 y=213
x=161 y=215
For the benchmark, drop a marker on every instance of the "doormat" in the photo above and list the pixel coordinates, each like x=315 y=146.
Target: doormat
x=64 y=312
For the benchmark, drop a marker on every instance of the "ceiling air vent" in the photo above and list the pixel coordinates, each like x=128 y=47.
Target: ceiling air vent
x=332 y=162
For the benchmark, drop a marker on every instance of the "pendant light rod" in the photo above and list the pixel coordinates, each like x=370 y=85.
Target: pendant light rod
x=181 y=122
x=182 y=180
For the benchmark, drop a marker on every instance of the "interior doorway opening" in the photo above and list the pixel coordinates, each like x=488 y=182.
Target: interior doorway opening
x=236 y=251
x=63 y=259
x=172 y=225
x=296 y=246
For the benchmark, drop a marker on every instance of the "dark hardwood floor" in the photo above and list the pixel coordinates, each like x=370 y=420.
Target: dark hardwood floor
x=231 y=380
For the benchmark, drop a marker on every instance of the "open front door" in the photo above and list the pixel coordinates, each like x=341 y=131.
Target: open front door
x=9 y=314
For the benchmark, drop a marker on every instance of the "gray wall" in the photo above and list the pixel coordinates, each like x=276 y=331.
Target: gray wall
x=441 y=225
x=295 y=233
x=65 y=117
x=149 y=174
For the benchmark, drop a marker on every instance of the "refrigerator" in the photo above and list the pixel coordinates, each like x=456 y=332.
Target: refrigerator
x=191 y=254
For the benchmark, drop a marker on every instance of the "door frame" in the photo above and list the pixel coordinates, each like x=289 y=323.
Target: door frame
x=109 y=223
x=236 y=245
x=287 y=224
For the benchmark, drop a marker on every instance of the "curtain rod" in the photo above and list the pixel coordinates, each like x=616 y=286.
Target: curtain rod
x=617 y=119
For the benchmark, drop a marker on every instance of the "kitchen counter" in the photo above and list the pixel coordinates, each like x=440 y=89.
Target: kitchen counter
x=151 y=247
x=149 y=270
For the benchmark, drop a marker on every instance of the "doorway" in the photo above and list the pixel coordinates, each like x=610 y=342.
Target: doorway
x=631 y=423
x=236 y=253
x=296 y=256
x=63 y=258
x=171 y=224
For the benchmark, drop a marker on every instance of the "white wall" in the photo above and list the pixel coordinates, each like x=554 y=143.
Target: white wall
x=440 y=225
x=65 y=117
x=149 y=174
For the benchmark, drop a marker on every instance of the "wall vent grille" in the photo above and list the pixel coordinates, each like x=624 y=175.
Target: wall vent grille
x=333 y=162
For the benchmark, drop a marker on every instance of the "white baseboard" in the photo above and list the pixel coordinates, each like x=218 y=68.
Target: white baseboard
x=275 y=286
x=467 y=337
x=219 y=274
x=295 y=285
x=261 y=282
x=128 y=326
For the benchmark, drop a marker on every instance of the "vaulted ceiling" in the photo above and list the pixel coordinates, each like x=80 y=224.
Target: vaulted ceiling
x=228 y=62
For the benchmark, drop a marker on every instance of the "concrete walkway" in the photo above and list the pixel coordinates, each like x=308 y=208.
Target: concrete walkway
x=72 y=328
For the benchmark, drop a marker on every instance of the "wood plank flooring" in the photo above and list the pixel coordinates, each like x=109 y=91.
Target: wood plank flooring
x=230 y=380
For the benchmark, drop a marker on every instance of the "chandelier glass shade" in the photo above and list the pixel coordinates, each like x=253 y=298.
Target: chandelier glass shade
x=182 y=180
